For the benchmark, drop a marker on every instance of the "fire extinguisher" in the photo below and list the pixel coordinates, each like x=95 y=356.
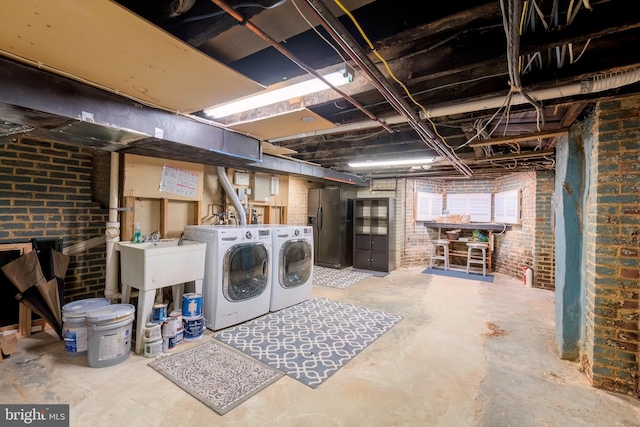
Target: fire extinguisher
x=527 y=276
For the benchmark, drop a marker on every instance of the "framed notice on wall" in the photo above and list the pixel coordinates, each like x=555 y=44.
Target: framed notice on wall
x=428 y=206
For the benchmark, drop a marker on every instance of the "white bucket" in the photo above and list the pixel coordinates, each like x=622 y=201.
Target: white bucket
x=74 y=328
x=109 y=334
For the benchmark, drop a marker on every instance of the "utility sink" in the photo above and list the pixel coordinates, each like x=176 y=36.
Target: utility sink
x=153 y=265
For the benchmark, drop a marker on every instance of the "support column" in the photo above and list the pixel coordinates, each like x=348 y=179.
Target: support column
x=568 y=240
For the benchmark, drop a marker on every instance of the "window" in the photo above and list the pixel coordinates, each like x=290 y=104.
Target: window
x=428 y=206
x=507 y=207
x=476 y=205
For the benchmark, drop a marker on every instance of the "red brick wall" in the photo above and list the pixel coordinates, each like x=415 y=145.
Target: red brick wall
x=611 y=257
x=45 y=192
x=531 y=241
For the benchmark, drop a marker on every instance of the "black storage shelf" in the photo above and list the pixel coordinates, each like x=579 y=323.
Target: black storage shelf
x=373 y=242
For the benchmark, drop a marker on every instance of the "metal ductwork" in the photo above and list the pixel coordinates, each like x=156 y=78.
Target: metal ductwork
x=231 y=193
x=47 y=106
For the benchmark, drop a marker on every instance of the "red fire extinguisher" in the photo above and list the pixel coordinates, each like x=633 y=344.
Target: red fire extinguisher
x=527 y=276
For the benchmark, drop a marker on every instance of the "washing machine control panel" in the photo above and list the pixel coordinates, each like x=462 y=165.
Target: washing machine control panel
x=248 y=235
x=297 y=232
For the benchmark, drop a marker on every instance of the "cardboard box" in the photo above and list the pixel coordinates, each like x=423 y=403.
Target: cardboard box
x=9 y=343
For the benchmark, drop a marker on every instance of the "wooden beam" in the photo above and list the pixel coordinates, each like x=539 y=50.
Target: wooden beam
x=164 y=218
x=197 y=208
x=520 y=138
x=127 y=218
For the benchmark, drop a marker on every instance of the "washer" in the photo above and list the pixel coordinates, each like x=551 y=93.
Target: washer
x=292 y=266
x=237 y=280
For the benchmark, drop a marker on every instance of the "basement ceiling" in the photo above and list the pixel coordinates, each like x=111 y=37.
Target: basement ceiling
x=484 y=87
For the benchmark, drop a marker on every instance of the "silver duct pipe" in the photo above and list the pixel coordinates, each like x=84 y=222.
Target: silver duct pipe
x=231 y=192
x=594 y=84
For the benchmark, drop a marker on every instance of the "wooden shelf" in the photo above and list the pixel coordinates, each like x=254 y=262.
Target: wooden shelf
x=489 y=227
x=469 y=226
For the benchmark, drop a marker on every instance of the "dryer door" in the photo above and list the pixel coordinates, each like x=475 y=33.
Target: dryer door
x=296 y=263
x=246 y=271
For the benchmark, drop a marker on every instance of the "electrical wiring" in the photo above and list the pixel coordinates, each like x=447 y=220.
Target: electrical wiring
x=317 y=32
x=392 y=75
x=488 y=121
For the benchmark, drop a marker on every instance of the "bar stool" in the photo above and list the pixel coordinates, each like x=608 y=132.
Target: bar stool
x=444 y=244
x=476 y=260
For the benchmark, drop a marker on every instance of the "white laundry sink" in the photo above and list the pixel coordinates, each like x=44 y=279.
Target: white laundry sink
x=153 y=265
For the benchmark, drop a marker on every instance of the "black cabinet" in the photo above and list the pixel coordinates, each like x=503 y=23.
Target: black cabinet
x=373 y=244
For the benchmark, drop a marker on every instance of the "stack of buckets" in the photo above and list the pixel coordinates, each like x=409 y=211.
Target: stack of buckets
x=98 y=329
x=192 y=318
x=165 y=332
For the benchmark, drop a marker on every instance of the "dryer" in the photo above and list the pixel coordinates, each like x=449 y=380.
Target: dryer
x=292 y=265
x=237 y=279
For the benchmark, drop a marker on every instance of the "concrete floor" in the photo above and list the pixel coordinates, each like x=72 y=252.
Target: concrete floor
x=466 y=353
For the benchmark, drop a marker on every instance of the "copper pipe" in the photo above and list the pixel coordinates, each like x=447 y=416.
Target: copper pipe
x=264 y=36
x=340 y=34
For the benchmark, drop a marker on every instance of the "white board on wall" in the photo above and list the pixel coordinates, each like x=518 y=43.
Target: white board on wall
x=428 y=206
x=476 y=205
x=507 y=207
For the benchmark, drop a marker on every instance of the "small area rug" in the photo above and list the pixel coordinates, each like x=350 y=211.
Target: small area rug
x=337 y=278
x=310 y=341
x=459 y=274
x=220 y=377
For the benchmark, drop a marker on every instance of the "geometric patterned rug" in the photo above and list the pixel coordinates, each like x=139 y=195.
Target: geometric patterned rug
x=336 y=278
x=309 y=341
x=218 y=376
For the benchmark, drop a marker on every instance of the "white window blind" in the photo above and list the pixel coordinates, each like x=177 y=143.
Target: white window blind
x=428 y=206
x=476 y=205
x=507 y=207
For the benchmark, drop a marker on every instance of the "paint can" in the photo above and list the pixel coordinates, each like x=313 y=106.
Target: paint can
x=74 y=328
x=152 y=332
x=177 y=314
x=159 y=313
x=193 y=327
x=170 y=327
x=169 y=343
x=153 y=348
x=192 y=305
x=109 y=334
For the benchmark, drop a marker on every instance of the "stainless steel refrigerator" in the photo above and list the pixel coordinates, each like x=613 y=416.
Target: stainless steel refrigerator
x=330 y=213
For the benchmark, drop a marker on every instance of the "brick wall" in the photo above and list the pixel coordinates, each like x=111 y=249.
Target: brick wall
x=544 y=263
x=611 y=342
x=45 y=192
x=417 y=237
x=298 y=200
x=100 y=177
x=531 y=241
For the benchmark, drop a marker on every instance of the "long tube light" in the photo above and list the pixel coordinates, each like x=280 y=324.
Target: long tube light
x=401 y=162
x=337 y=78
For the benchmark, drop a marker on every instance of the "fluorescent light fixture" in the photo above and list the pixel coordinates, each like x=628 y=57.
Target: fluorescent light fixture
x=337 y=78
x=372 y=164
